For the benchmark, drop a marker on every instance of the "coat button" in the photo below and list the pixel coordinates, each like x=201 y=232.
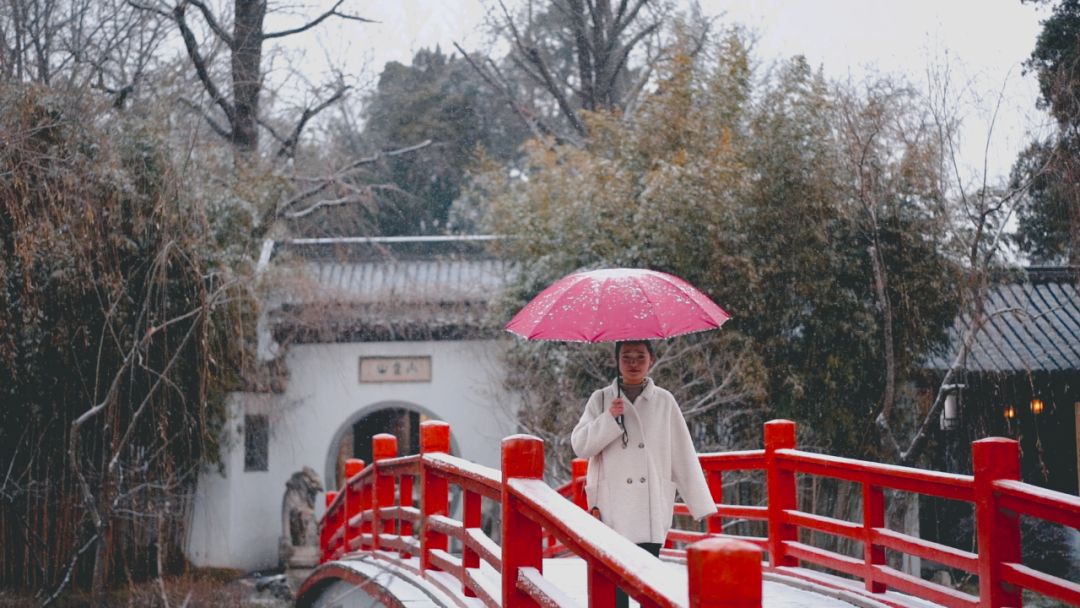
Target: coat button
x=642 y=480
x=628 y=480
x=641 y=445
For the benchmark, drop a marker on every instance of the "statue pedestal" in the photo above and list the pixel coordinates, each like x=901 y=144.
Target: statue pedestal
x=304 y=557
x=296 y=578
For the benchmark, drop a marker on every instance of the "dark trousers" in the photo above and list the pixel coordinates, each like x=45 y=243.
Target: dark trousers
x=621 y=599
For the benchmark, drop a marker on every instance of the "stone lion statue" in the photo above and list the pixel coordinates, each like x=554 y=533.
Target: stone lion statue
x=299 y=546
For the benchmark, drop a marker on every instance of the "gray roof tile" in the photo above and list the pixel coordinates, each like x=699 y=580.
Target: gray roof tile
x=403 y=271
x=1034 y=327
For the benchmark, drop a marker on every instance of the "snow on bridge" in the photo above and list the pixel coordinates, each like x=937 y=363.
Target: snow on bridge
x=370 y=580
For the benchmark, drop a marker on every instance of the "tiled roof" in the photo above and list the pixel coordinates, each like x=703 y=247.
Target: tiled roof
x=454 y=280
x=1033 y=326
x=387 y=270
x=377 y=289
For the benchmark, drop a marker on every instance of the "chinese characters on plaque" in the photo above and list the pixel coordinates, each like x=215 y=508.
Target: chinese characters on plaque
x=395 y=369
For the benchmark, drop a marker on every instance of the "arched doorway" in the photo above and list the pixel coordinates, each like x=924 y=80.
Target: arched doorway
x=353 y=439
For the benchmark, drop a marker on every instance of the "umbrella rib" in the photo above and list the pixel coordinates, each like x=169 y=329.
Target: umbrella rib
x=554 y=301
x=652 y=307
x=691 y=296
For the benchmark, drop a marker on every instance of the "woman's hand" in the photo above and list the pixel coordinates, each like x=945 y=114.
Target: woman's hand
x=617 y=406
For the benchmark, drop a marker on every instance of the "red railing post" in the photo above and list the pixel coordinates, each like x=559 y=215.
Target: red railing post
x=383 y=446
x=366 y=493
x=601 y=589
x=780 y=435
x=353 y=466
x=997 y=530
x=406 y=500
x=334 y=546
x=434 y=497
x=579 y=468
x=715 y=524
x=724 y=573
x=327 y=529
x=873 y=517
x=522 y=538
x=469 y=557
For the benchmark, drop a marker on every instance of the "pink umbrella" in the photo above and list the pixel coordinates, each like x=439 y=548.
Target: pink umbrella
x=616 y=304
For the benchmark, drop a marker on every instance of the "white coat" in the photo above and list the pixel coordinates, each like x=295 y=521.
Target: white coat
x=634 y=486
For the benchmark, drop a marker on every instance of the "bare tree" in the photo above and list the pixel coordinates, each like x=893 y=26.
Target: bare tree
x=984 y=211
x=334 y=188
x=579 y=54
x=234 y=112
x=78 y=44
x=897 y=154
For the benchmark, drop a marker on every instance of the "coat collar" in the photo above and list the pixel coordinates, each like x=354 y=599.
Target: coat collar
x=647 y=393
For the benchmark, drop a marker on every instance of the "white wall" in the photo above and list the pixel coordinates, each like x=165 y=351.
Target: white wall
x=236 y=520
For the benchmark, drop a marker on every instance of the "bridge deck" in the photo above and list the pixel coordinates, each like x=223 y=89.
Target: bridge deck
x=369 y=580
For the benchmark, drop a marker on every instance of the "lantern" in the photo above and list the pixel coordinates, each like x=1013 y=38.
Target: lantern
x=1037 y=406
x=950 y=414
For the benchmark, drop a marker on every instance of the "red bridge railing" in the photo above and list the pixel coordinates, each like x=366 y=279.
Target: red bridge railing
x=376 y=510
x=998 y=497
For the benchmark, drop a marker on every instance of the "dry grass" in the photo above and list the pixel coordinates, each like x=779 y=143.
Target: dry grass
x=206 y=587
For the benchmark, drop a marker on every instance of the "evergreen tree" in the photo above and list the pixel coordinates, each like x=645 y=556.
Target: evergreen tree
x=440 y=99
x=1049 y=224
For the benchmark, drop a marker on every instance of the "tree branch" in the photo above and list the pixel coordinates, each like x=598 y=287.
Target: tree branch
x=365 y=195
x=214 y=125
x=538 y=127
x=288 y=146
x=332 y=12
x=149 y=8
x=67 y=571
x=273 y=213
x=390 y=153
x=271 y=130
x=624 y=18
x=212 y=22
x=959 y=362
x=200 y=64
x=624 y=54
x=131 y=426
x=534 y=57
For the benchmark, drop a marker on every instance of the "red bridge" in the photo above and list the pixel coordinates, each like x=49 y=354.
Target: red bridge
x=378 y=520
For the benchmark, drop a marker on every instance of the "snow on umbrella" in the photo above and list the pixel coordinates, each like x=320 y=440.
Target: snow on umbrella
x=617 y=304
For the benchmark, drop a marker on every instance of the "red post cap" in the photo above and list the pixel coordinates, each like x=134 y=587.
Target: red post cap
x=352 y=467
x=383 y=445
x=434 y=436
x=724 y=573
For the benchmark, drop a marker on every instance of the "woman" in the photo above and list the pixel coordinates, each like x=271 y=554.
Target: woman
x=635 y=468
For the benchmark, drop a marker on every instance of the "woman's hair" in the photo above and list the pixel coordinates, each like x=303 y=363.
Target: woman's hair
x=648 y=346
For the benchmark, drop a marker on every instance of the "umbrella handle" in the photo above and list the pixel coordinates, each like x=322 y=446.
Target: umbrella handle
x=619 y=419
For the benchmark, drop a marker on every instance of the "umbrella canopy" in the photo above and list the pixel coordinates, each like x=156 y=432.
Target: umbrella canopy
x=616 y=304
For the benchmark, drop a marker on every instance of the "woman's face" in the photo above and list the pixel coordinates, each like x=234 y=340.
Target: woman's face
x=634 y=363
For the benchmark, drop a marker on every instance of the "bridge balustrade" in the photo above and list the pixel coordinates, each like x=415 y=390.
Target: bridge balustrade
x=994 y=491
x=376 y=511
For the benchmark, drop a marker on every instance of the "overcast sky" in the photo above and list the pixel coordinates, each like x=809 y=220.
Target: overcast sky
x=984 y=43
